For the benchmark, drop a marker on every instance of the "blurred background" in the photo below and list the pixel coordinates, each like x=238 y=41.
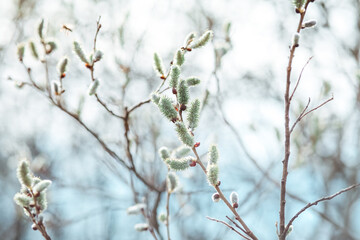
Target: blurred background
x=243 y=77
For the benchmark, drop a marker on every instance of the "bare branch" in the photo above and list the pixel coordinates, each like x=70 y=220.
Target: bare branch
x=318 y=201
x=229 y=226
x=303 y=113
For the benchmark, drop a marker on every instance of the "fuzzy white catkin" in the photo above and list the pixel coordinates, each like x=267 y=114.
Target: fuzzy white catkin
x=136 y=209
x=140 y=227
x=234 y=197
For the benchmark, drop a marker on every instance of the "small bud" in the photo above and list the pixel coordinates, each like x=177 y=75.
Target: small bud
x=192 y=163
x=34 y=227
x=50 y=46
x=174 y=76
x=56 y=86
x=203 y=40
x=41 y=186
x=234 y=199
x=179 y=58
x=216 y=197
x=174 y=91
x=136 y=209
x=295 y=40
x=189 y=38
x=61 y=67
x=163 y=218
x=79 y=52
x=23 y=173
x=192 y=81
x=309 y=24
x=97 y=56
x=213 y=155
x=290 y=229
x=197 y=144
x=179 y=164
x=164 y=153
x=182 y=107
x=213 y=174
x=33 y=49
x=299 y=4
x=140 y=227
x=183 y=92
x=184 y=135
x=155 y=98
x=171 y=182
x=159 y=66
x=20 y=51
x=193 y=115
x=93 y=87
x=167 y=109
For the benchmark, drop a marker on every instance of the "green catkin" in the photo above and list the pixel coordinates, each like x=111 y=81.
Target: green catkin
x=182 y=151
x=213 y=155
x=213 y=174
x=189 y=38
x=194 y=114
x=167 y=109
x=203 y=40
x=33 y=50
x=79 y=52
x=184 y=135
x=93 y=87
x=171 y=182
x=61 y=67
x=179 y=58
x=23 y=173
x=192 y=81
x=155 y=98
x=20 y=51
x=158 y=65
x=174 y=76
x=183 y=92
x=164 y=153
x=22 y=200
x=178 y=164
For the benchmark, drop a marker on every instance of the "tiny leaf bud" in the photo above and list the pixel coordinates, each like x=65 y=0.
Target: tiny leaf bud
x=216 y=197
x=20 y=51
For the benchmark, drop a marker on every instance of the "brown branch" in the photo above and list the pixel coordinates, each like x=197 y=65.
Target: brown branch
x=232 y=209
x=298 y=81
x=107 y=108
x=228 y=225
x=167 y=215
x=237 y=225
x=287 y=131
x=318 y=201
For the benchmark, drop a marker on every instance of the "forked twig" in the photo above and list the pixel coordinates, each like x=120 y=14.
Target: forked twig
x=228 y=225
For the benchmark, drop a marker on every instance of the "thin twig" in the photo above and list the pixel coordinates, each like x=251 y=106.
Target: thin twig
x=318 y=201
x=229 y=226
x=237 y=225
x=303 y=113
x=298 y=81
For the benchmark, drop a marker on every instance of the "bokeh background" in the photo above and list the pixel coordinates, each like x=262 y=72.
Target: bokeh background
x=243 y=78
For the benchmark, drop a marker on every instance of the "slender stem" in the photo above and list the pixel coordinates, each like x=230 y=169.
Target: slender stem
x=229 y=226
x=318 y=201
x=167 y=215
x=287 y=131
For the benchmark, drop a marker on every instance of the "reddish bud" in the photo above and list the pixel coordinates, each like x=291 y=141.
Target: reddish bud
x=88 y=66
x=218 y=184
x=192 y=163
x=197 y=144
x=63 y=75
x=182 y=107
x=235 y=205
x=174 y=91
x=34 y=227
x=163 y=77
x=188 y=49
